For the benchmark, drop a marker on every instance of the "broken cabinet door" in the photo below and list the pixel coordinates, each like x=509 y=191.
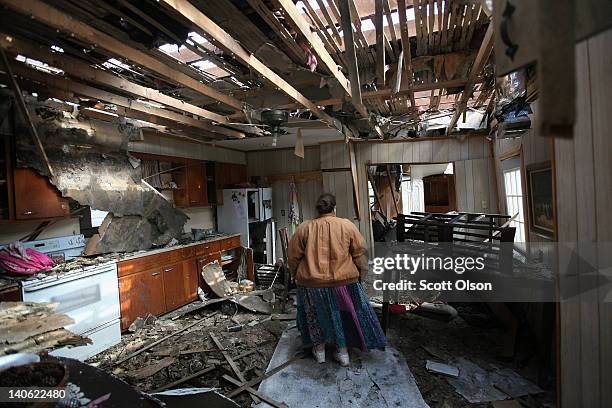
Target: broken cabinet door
x=139 y=294
x=36 y=197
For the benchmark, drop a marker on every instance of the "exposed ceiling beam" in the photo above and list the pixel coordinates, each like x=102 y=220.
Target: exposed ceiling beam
x=82 y=70
x=25 y=113
x=349 y=43
x=481 y=59
x=298 y=22
x=280 y=30
x=330 y=21
x=323 y=31
x=405 y=39
x=391 y=27
x=224 y=41
x=63 y=84
x=380 y=48
x=388 y=93
x=64 y=22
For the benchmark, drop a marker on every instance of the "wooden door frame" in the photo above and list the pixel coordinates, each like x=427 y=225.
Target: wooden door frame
x=368 y=163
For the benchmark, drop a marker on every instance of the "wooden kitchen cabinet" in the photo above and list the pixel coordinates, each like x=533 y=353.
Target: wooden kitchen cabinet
x=196 y=184
x=190 y=274
x=164 y=281
x=180 y=284
x=36 y=197
x=190 y=179
x=227 y=175
x=174 y=286
x=139 y=294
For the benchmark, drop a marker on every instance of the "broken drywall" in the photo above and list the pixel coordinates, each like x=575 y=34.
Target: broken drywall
x=104 y=179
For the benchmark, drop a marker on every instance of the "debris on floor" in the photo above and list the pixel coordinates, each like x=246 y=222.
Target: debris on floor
x=35 y=327
x=194 y=397
x=420 y=339
x=198 y=347
x=441 y=368
x=371 y=380
x=476 y=384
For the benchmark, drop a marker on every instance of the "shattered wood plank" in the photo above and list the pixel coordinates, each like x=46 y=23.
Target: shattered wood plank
x=151 y=369
x=268 y=374
x=155 y=343
x=45 y=341
x=285 y=316
x=233 y=365
x=15 y=332
x=256 y=393
x=169 y=352
x=185 y=379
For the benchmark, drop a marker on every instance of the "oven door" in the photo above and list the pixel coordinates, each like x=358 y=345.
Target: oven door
x=92 y=300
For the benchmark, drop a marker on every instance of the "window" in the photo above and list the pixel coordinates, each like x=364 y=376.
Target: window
x=514 y=196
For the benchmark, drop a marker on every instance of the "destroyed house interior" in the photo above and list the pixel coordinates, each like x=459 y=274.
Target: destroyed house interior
x=306 y=203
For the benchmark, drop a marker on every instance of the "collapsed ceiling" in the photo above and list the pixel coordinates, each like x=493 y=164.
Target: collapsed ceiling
x=206 y=70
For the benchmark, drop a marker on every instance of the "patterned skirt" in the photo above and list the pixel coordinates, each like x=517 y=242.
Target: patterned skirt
x=340 y=315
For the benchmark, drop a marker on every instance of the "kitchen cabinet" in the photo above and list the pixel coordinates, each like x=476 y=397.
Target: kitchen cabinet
x=190 y=178
x=36 y=197
x=225 y=175
x=161 y=282
x=196 y=184
x=141 y=293
x=174 y=286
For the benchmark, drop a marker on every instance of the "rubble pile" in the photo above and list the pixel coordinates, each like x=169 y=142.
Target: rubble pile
x=186 y=349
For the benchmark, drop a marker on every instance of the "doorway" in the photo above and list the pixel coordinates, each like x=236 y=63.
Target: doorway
x=404 y=188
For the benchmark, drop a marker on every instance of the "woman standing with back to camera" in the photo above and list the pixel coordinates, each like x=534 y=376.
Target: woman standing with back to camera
x=327 y=258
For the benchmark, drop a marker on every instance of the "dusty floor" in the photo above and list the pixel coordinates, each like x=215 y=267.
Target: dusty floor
x=194 y=350
x=417 y=338
x=420 y=339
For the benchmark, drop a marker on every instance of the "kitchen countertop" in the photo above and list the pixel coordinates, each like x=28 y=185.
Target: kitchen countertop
x=81 y=262
x=139 y=254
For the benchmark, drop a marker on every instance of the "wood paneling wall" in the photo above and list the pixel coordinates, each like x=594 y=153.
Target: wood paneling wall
x=279 y=162
x=475 y=175
x=583 y=169
x=534 y=149
x=282 y=161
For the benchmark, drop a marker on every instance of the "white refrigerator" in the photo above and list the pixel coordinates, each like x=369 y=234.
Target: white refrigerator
x=248 y=212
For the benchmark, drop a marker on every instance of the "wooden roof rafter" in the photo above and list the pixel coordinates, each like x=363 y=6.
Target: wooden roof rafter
x=300 y=25
x=227 y=43
x=62 y=21
x=481 y=58
x=81 y=70
x=67 y=86
x=325 y=36
x=407 y=63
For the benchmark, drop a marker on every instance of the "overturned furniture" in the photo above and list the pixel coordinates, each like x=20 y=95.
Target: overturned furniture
x=454 y=234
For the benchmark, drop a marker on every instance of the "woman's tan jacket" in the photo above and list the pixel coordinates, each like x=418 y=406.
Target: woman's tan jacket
x=327 y=251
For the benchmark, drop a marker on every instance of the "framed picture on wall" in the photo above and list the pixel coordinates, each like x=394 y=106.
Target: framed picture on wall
x=540 y=197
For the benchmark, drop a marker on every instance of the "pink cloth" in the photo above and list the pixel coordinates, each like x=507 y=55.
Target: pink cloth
x=24 y=261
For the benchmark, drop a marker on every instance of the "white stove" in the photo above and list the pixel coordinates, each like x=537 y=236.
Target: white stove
x=89 y=295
